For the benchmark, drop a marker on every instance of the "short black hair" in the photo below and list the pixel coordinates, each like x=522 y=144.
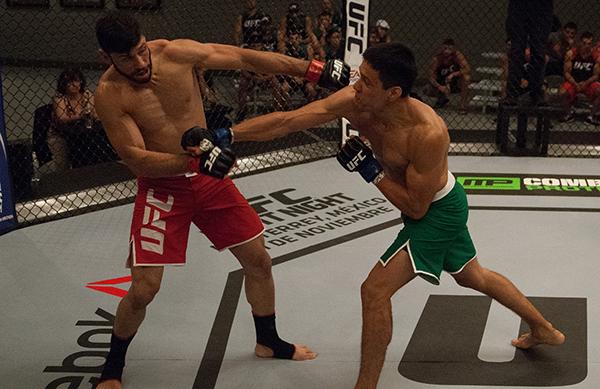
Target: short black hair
x=571 y=25
x=68 y=75
x=117 y=32
x=395 y=64
x=449 y=42
x=587 y=35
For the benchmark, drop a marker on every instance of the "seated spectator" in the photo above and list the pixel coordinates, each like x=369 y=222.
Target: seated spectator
x=449 y=72
x=249 y=81
x=524 y=83
x=582 y=71
x=569 y=36
x=248 y=23
x=333 y=44
x=296 y=48
x=373 y=38
x=335 y=13
x=322 y=26
x=73 y=110
x=295 y=21
x=382 y=31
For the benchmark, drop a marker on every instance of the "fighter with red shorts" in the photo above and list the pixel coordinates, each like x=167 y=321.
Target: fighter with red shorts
x=150 y=112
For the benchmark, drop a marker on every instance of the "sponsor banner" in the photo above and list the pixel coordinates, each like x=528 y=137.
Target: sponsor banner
x=7 y=206
x=530 y=184
x=357 y=38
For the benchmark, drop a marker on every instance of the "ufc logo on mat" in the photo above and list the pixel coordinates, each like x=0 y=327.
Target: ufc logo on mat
x=444 y=347
x=153 y=236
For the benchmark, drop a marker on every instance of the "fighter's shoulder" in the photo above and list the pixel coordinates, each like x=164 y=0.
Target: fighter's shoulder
x=109 y=90
x=432 y=127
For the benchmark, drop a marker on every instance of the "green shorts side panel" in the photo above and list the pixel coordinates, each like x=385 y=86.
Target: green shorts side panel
x=440 y=240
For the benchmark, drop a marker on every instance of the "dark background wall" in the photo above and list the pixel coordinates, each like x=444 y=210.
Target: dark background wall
x=64 y=34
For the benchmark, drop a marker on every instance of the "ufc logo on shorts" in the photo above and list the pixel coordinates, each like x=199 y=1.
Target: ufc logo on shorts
x=153 y=238
x=354 y=162
x=212 y=158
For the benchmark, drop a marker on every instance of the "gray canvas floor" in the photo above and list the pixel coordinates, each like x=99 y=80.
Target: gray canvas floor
x=198 y=332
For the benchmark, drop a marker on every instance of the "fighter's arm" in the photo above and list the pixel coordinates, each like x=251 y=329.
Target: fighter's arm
x=226 y=57
x=278 y=124
x=126 y=138
x=595 y=75
x=432 y=72
x=422 y=173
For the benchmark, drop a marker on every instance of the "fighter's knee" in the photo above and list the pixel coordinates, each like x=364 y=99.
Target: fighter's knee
x=371 y=294
x=142 y=292
x=258 y=266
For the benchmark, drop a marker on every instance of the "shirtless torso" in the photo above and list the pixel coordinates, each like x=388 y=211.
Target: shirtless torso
x=164 y=108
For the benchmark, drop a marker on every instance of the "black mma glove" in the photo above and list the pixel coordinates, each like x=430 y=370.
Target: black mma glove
x=333 y=74
x=207 y=139
x=216 y=163
x=356 y=156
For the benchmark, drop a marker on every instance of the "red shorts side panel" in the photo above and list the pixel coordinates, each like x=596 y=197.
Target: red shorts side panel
x=223 y=214
x=161 y=221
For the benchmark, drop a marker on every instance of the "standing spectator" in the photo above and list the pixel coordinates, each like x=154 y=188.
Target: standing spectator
x=382 y=31
x=296 y=21
x=73 y=106
x=524 y=82
x=555 y=56
x=528 y=22
x=582 y=71
x=249 y=23
x=449 y=72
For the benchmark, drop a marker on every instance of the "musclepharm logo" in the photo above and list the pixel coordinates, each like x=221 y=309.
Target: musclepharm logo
x=490 y=183
x=153 y=236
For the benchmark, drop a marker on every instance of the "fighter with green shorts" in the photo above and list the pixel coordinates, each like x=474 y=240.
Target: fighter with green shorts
x=440 y=240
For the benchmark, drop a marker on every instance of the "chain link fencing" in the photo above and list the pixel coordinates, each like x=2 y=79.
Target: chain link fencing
x=62 y=163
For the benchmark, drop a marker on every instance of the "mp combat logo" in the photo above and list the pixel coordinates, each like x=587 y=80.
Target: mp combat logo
x=532 y=184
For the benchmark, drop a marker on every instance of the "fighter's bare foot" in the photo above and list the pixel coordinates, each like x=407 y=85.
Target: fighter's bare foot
x=109 y=384
x=301 y=352
x=550 y=336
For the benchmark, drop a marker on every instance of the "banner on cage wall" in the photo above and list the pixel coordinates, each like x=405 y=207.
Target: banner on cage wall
x=7 y=207
x=357 y=38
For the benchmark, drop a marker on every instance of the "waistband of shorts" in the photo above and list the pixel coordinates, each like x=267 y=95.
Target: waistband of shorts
x=179 y=177
x=446 y=189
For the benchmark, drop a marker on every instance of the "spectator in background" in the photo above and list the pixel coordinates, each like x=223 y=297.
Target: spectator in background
x=568 y=35
x=382 y=31
x=333 y=43
x=295 y=48
x=295 y=21
x=524 y=82
x=449 y=72
x=335 y=13
x=73 y=109
x=555 y=56
x=323 y=25
x=249 y=23
x=373 y=39
x=582 y=71
x=527 y=23
x=249 y=81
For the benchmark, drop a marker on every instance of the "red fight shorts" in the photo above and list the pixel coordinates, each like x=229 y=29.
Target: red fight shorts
x=591 y=91
x=165 y=208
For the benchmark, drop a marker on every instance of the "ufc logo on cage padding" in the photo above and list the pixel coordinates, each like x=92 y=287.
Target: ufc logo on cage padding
x=153 y=236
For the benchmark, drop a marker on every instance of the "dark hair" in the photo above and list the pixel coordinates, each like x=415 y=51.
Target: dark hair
x=68 y=75
x=586 y=35
x=448 y=42
x=395 y=64
x=117 y=32
x=571 y=25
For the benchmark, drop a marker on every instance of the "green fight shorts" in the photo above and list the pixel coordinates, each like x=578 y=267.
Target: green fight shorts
x=440 y=240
